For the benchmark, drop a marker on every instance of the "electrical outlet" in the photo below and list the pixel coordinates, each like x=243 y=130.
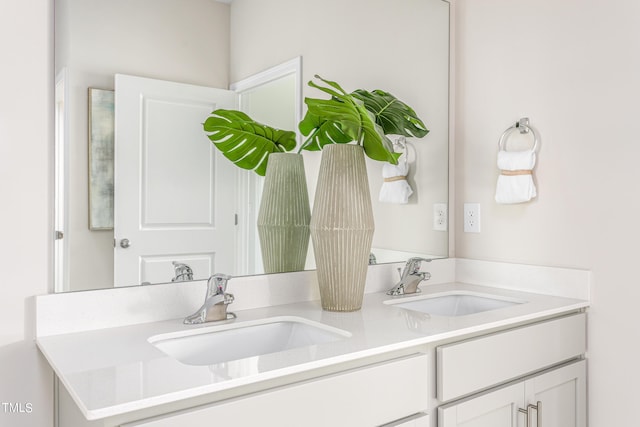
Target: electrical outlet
x=440 y=216
x=472 y=217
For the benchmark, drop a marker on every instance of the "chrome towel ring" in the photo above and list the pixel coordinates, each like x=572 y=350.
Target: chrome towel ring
x=523 y=126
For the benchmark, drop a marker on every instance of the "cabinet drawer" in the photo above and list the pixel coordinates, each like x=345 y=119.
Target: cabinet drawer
x=479 y=363
x=366 y=396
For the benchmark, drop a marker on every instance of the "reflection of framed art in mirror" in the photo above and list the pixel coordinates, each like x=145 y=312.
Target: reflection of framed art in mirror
x=101 y=134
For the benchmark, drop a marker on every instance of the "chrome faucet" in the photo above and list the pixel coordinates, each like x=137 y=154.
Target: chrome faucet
x=183 y=272
x=215 y=303
x=410 y=277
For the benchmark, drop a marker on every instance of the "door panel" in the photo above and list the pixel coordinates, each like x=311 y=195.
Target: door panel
x=174 y=192
x=176 y=174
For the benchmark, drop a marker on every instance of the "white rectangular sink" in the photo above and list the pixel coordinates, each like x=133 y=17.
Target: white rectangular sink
x=455 y=303
x=216 y=344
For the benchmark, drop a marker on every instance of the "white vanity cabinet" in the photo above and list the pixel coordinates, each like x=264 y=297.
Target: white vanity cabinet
x=529 y=377
x=555 y=398
x=482 y=381
x=398 y=368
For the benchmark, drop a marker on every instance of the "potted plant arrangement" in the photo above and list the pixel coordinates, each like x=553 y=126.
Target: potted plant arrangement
x=344 y=127
x=284 y=213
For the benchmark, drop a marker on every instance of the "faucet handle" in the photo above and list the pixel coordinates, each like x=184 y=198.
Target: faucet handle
x=217 y=284
x=413 y=264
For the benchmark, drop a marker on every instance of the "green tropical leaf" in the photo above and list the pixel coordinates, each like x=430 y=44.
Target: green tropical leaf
x=321 y=132
x=395 y=117
x=244 y=141
x=341 y=119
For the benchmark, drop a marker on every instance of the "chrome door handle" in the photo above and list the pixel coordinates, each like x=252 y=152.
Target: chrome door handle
x=527 y=412
x=125 y=243
x=538 y=409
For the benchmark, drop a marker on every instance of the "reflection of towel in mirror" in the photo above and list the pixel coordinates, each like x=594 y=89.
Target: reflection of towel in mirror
x=515 y=182
x=395 y=188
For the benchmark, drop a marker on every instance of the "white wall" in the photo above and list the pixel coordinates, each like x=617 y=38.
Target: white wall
x=26 y=158
x=97 y=39
x=572 y=67
x=397 y=46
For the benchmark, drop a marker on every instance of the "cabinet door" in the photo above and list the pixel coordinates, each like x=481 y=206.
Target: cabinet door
x=498 y=408
x=559 y=394
x=562 y=397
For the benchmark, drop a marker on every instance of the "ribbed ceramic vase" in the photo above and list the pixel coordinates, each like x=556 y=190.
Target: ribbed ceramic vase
x=342 y=227
x=284 y=214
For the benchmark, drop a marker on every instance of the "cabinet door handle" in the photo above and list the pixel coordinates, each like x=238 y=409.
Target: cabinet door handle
x=538 y=409
x=526 y=413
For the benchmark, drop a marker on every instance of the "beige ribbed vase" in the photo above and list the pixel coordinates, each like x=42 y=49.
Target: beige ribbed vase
x=283 y=218
x=342 y=227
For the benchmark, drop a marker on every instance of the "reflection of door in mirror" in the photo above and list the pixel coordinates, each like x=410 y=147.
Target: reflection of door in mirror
x=173 y=196
x=177 y=199
x=93 y=42
x=61 y=149
x=272 y=97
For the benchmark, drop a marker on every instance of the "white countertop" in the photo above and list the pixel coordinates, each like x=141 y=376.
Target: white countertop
x=116 y=370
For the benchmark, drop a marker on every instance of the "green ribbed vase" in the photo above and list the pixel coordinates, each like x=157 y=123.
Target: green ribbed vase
x=342 y=227
x=284 y=214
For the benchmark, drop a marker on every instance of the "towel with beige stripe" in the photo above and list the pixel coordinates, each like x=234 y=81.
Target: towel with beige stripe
x=395 y=188
x=515 y=182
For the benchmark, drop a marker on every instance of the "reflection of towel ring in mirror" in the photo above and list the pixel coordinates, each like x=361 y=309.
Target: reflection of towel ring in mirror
x=401 y=145
x=523 y=126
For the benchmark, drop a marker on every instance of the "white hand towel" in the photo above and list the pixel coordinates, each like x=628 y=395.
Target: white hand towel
x=515 y=183
x=395 y=188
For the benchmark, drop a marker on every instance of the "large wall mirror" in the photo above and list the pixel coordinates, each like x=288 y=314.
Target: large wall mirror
x=126 y=47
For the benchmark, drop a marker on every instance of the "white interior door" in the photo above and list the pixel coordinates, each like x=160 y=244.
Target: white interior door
x=174 y=196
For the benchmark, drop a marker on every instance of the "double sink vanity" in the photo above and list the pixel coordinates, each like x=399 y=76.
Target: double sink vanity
x=482 y=345
x=457 y=353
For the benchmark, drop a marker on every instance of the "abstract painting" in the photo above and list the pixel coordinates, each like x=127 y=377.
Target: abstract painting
x=101 y=134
